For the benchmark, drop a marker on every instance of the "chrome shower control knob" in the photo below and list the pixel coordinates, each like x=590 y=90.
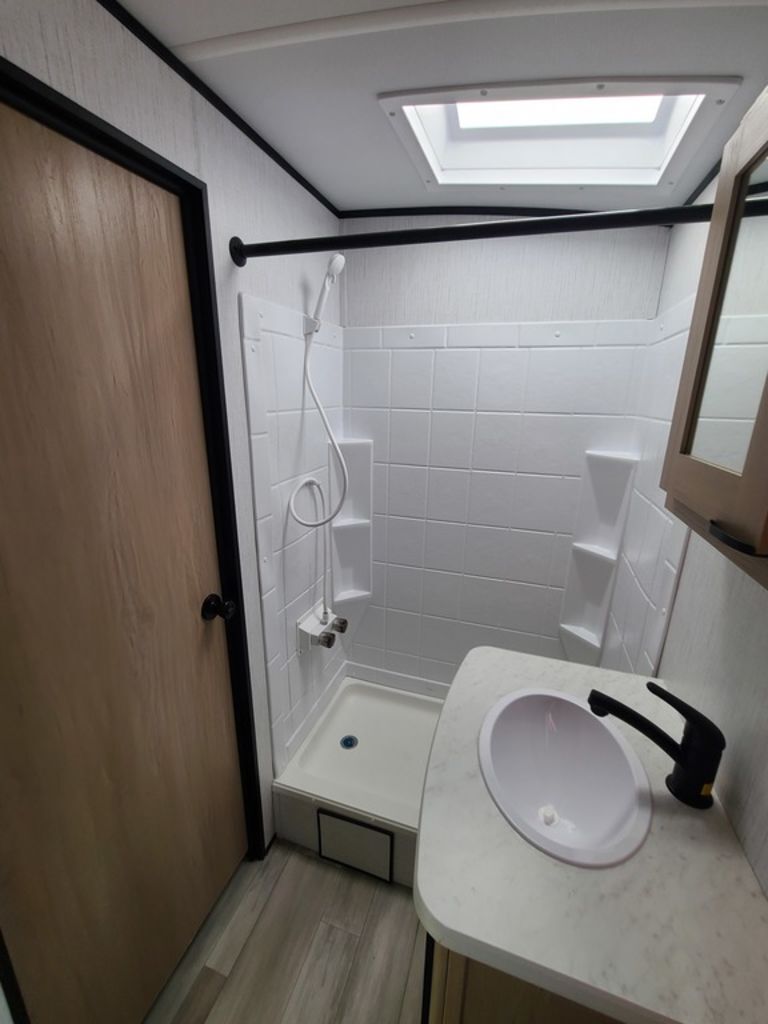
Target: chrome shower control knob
x=326 y=639
x=339 y=624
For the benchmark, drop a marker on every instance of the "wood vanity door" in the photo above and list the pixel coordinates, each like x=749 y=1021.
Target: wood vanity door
x=467 y=992
x=120 y=793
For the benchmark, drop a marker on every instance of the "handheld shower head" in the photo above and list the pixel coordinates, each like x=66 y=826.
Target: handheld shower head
x=335 y=267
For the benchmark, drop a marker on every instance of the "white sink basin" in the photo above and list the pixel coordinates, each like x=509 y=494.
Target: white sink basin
x=566 y=780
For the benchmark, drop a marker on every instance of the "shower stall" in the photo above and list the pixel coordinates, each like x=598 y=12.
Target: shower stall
x=472 y=459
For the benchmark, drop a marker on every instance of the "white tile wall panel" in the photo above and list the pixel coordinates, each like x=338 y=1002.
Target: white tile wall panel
x=478 y=455
x=451 y=439
x=409 y=437
x=592 y=380
x=370 y=423
x=501 y=386
x=369 y=379
x=404 y=588
x=403 y=631
x=484 y=336
x=455 y=379
x=414 y=337
x=541 y=335
x=545 y=503
x=362 y=337
x=408 y=491
x=496 y=441
x=448 y=494
x=491 y=498
x=441 y=594
x=444 y=546
x=405 y=541
x=412 y=373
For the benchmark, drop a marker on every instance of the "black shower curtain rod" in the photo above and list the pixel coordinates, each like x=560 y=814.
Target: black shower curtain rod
x=665 y=216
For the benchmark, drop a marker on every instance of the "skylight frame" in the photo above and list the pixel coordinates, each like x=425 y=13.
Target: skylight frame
x=692 y=132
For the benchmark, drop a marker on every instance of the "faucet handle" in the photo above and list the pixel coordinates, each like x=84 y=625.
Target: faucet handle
x=703 y=725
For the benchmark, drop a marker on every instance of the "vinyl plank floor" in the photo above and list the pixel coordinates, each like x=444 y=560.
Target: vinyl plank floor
x=168 y=1002
x=299 y=940
x=200 y=998
x=227 y=949
x=262 y=979
x=410 y=1011
x=316 y=996
x=352 y=900
x=377 y=981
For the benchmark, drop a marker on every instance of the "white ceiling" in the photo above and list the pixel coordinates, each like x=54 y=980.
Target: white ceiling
x=316 y=101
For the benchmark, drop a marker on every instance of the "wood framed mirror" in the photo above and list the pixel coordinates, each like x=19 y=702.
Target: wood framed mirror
x=716 y=467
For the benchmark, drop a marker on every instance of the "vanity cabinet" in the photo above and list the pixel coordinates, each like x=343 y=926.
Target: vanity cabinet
x=464 y=991
x=716 y=467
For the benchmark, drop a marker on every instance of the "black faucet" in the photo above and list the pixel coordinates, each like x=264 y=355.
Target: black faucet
x=696 y=757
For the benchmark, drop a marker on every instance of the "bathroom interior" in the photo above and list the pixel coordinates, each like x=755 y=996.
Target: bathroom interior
x=384 y=433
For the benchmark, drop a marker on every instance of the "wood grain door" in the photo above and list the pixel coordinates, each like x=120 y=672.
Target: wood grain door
x=122 y=810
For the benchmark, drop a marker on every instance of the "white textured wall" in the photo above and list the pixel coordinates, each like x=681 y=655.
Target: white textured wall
x=606 y=275
x=82 y=51
x=716 y=658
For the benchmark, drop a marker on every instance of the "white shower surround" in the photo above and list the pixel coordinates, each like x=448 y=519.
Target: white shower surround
x=479 y=434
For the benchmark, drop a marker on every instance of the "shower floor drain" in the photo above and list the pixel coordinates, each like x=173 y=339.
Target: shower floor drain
x=348 y=742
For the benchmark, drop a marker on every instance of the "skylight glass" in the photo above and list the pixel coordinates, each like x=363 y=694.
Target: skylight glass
x=561 y=111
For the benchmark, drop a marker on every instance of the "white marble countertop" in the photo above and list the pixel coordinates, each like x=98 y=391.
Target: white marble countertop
x=678 y=933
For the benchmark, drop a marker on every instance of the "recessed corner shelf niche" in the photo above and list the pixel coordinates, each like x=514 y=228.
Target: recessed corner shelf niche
x=351 y=552
x=605 y=493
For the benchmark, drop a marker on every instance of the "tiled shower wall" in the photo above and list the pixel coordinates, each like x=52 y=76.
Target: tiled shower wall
x=655 y=542
x=479 y=433
x=288 y=444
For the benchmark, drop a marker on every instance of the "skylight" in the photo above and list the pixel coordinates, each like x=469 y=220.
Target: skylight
x=571 y=110
x=567 y=134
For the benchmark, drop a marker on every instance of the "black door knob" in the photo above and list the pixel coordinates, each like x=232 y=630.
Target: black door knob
x=215 y=605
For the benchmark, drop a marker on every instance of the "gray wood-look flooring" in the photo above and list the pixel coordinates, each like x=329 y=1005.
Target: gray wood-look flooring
x=298 y=940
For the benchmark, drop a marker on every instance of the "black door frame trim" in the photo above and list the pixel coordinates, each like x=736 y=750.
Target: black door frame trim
x=23 y=92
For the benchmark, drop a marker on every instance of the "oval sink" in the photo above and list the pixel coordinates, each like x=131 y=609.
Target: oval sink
x=566 y=780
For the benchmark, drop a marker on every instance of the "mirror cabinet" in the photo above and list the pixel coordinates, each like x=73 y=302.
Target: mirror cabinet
x=716 y=467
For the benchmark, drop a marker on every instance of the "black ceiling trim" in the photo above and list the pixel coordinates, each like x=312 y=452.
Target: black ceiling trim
x=476 y=211
x=708 y=177
x=127 y=20
x=160 y=50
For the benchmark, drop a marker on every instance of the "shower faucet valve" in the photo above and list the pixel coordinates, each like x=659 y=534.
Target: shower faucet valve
x=316 y=629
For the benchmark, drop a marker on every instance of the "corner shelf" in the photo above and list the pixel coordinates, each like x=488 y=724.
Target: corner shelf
x=595 y=551
x=345 y=596
x=605 y=493
x=351 y=546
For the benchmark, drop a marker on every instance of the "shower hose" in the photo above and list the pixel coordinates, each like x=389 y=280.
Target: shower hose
x=312 y=483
